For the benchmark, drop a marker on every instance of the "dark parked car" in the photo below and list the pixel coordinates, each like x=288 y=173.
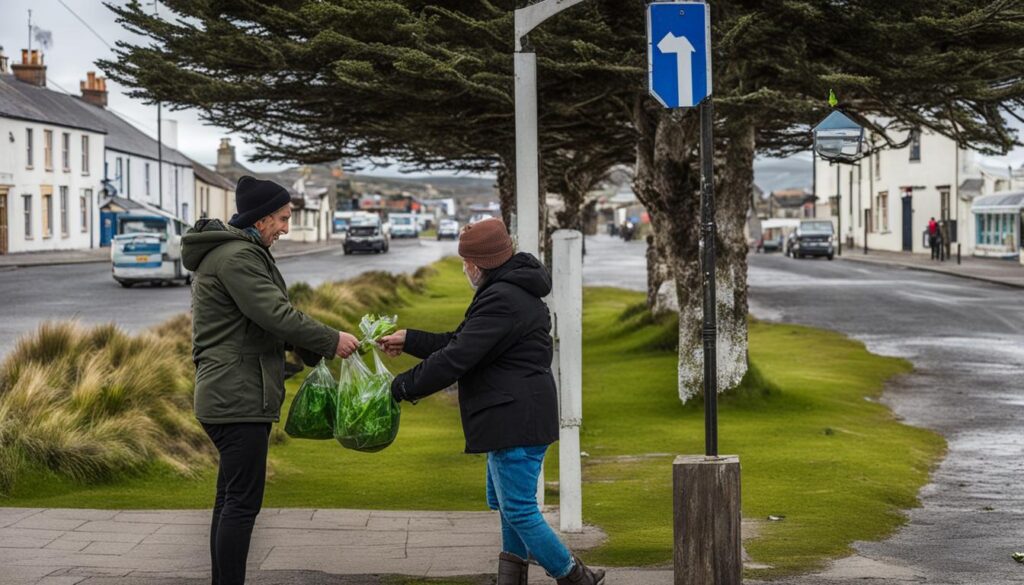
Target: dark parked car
x=814 y=237
x=366 y=237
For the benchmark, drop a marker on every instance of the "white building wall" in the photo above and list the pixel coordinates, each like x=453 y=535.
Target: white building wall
x=133 y=183
x=22 y=180
x=218 y=203
x=941 y=165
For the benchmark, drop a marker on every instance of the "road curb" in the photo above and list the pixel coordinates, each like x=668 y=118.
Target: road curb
x=920 y=268
x=306 y=252
x=56 y=263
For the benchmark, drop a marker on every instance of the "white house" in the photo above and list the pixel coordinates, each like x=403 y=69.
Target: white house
x=51 y=163
x=889 y=197
x=215 y=194
x=132 y=159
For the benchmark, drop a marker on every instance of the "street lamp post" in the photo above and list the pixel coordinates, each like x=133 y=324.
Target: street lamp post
x=839 y=139
x=566 y=300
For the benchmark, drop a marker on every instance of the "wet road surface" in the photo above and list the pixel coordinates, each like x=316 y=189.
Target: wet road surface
x=88 y=292
x=966 y=341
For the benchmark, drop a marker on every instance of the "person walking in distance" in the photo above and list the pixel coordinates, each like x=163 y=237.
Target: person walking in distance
x=933 y=237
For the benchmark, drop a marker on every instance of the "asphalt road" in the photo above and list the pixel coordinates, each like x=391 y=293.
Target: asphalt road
x=966 y=341
x=87 y=292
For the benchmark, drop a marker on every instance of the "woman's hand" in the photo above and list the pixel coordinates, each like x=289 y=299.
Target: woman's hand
x=393 y=344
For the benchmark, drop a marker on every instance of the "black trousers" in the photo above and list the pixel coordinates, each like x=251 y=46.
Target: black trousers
x=240 y=482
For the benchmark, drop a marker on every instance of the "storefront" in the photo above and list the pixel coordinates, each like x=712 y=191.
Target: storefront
x=998 y=222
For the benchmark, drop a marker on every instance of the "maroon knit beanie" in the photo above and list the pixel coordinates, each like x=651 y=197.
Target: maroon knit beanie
x=486 y=243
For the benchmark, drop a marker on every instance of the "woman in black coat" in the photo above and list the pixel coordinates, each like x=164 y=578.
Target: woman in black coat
x=500 y=356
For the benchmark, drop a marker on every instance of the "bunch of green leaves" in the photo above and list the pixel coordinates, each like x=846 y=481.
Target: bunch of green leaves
x=311 y=415
x=374 y=327
x=367 y=417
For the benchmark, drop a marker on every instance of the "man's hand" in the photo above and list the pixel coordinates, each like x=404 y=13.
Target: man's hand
x=393 y=344
x=347 y=344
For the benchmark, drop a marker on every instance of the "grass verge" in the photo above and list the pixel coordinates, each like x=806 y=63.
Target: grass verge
x=815 y=446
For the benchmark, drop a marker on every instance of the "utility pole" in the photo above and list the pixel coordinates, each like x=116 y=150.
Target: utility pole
x=527 y=228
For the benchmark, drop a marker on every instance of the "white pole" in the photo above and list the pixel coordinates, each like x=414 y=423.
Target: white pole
x=527 y=172
x=567 y=264
x=527 y=216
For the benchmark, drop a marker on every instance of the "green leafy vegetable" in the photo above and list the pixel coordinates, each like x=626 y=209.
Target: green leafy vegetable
x=367 y=417
x=311 y=415
x=374 y=327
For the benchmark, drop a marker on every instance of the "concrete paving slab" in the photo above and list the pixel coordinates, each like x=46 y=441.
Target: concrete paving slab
x=120 y=527
x=79 y=514
x=108 y=548
x=10 y=516
x=84 y=535
x=43 y=522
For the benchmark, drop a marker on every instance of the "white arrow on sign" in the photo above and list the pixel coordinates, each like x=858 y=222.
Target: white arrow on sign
x=683 y=49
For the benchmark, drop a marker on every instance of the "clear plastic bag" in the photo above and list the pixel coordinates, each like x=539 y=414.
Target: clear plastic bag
x=373 y=328
x=311 y=415
x=367 y=417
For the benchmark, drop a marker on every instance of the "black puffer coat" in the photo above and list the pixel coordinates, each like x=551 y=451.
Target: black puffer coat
x=501 y=357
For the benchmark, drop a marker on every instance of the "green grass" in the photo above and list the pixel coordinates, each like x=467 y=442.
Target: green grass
x=429 y=234
x=813 y=447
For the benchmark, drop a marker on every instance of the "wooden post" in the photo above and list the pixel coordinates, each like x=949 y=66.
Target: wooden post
x=707 y=548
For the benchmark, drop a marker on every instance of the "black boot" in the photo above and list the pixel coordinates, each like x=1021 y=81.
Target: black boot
x=512 y=570
x=582 y=575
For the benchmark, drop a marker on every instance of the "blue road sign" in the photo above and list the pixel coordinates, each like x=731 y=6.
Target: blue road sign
x=679 y=52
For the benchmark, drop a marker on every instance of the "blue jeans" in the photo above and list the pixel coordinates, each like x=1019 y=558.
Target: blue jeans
x=512 y=490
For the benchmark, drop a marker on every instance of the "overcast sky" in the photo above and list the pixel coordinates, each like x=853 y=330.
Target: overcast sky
x=75 y=49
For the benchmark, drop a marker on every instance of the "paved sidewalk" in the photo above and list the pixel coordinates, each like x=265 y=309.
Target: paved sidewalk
x=68 y=547
x=281 y=249
x=1004 y=272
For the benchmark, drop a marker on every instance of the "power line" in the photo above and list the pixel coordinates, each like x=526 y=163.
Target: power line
x=86 y=24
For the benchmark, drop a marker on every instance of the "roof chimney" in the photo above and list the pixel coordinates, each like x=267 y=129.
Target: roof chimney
x=31 y=69
x=225 y=155
x=94 y=89
x=3 y=62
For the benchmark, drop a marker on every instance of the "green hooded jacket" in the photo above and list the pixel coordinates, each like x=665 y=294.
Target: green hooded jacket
x=242 y=323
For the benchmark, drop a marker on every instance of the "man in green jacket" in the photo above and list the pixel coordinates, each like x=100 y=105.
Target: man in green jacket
x=242 y=323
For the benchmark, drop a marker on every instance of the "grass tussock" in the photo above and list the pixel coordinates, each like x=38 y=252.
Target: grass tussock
x=90 y=404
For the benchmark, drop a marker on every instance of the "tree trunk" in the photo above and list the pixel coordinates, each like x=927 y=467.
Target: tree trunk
x=668 y=184
x=507 y=193
x=734 y=178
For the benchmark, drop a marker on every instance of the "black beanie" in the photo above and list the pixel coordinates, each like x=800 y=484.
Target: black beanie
x=256 y=199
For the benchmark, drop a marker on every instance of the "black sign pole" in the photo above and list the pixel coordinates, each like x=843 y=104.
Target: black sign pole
x=708 y=259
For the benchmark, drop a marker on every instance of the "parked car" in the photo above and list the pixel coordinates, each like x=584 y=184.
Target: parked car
x=448 y=228
x=812 y=238
x=404 y=225
x=366 y=234
x=147 y=248
x=775 y=233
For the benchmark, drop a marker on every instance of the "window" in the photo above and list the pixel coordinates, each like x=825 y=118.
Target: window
x=47 y=214
x=29 y=155
x=65 y=152
x=48 y=149
x=83 y=209
x=878 y=165
x=915 y=145
x=128 y=176
x=184 y=212
x=26 y=202
x=146 y=173
x=64 y=211
x=118 y=168
x=882 y=211
x=85 y=155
